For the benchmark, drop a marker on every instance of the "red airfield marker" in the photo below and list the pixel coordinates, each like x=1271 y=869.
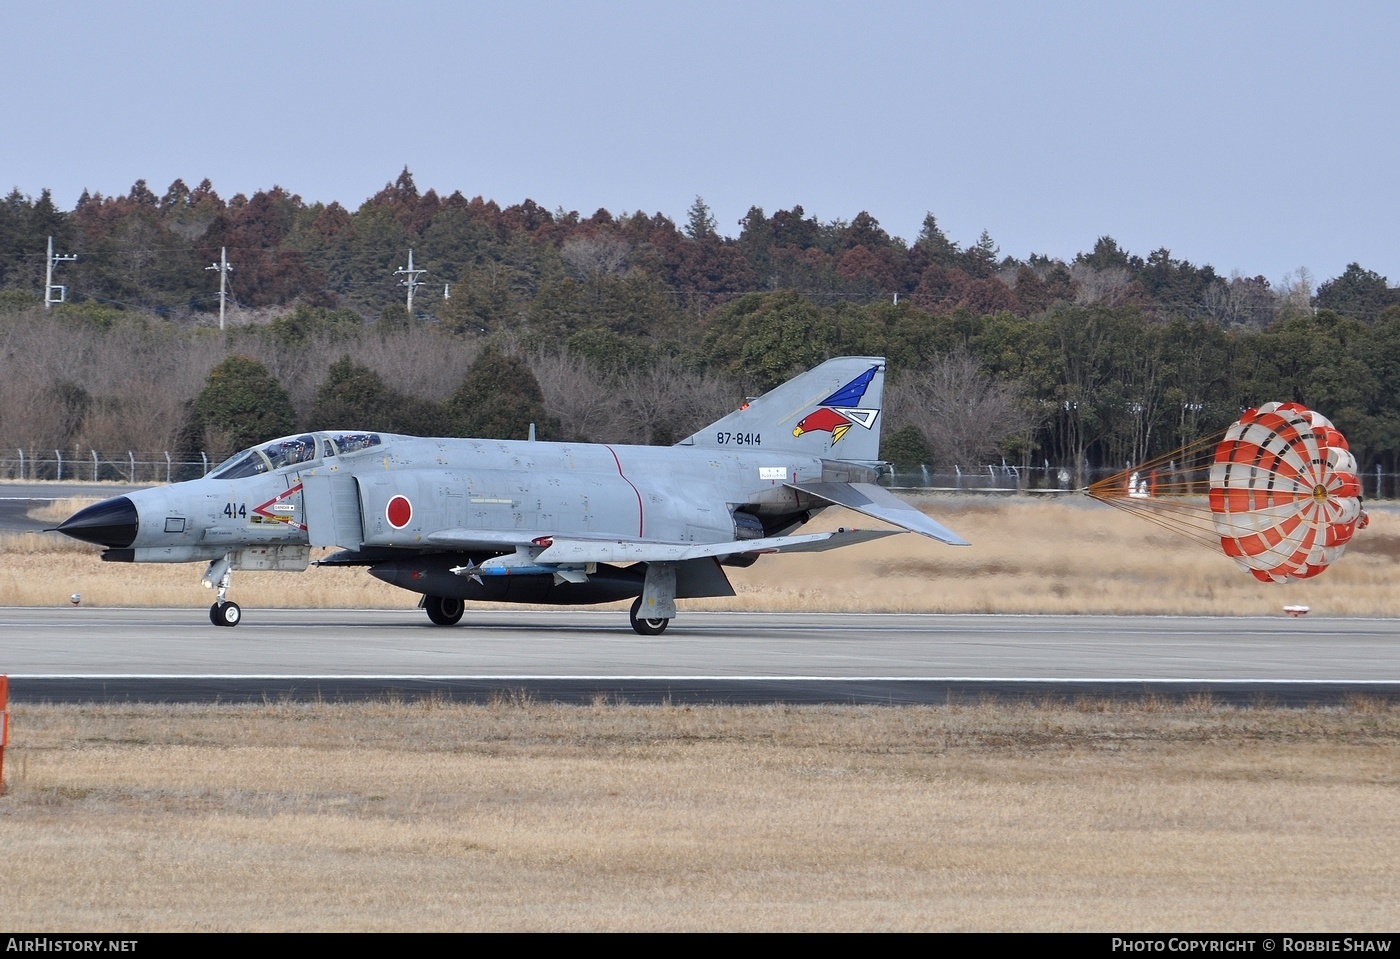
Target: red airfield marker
x=4 y=726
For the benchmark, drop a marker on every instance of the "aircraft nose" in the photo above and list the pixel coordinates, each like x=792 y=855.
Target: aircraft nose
x=111 y=523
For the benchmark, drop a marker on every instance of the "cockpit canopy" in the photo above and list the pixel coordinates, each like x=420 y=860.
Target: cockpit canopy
x=290 y=451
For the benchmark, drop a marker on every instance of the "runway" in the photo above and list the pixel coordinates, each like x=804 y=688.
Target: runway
x=175 y=655
x=17 y=499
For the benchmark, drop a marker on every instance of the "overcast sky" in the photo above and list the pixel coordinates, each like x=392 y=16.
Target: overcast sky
x=1257 y=137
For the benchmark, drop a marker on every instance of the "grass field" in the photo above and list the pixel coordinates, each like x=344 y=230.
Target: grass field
x=522 y=816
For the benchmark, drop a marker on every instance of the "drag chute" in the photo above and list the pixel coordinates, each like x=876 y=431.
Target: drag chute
x=1281 y=493
x=1284 y=492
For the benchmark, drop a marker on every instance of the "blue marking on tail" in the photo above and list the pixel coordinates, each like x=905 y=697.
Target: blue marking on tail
x=851 y=393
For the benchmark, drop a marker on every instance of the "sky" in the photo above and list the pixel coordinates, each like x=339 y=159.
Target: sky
x=1255 y=137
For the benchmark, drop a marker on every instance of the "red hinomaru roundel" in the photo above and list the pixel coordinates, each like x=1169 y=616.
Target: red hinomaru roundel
x=399 y=511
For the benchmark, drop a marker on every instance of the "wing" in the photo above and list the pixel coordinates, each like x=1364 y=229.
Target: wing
x=564 y=551
x=485 y=540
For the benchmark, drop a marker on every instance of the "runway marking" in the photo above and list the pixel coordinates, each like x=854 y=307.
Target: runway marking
x=552 y=677
x=981 y=625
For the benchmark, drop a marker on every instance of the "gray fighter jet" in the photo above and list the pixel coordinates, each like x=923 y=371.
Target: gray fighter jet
x=532 y=522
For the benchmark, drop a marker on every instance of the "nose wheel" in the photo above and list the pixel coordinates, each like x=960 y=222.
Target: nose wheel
x=225 y=614
x=218 y=575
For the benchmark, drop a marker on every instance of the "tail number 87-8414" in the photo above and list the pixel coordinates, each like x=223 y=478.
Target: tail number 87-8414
x=738 y=439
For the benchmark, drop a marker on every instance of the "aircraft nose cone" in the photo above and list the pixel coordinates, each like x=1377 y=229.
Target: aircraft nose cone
x=111 y=523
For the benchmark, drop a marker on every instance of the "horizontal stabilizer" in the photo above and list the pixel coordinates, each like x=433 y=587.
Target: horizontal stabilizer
x=879 y=503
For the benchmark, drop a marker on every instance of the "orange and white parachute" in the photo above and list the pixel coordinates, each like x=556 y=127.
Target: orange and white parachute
x=1284 y=493
x=1282 y=496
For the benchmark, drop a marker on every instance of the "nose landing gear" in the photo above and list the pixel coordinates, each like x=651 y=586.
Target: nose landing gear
x=223 y=612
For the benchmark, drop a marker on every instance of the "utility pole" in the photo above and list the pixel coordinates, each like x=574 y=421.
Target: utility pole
x=223 y=268
x=410 y=280
x=49 y=287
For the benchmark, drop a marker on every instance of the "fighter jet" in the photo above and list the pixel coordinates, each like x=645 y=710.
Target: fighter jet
x=532 y=522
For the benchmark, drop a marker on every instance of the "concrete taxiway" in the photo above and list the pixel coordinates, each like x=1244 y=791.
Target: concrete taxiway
x=17 y=500
x=80 y=654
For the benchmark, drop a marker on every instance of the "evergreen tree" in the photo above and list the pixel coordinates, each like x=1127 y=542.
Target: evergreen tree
x=906 y=447
x=242 y=405
x=701 y=223
x=499 y=398
x=353 y=396
x=1359 y=293
x=935 y=244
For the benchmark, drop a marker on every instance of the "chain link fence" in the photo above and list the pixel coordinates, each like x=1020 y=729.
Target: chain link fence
x=1001 y=478
x=1064 y=479
x=134 y=466
x=122 y=466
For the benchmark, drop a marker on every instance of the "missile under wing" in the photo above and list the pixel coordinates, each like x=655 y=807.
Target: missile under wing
x=457 y=520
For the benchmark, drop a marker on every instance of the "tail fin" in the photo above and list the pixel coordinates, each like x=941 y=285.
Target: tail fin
x=832 y=411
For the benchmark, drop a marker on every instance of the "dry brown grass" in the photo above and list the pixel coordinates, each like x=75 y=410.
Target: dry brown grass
x=518 y=816
x=44 y=569
x=57 y=510
x=1028 y=556
x=1069 y=556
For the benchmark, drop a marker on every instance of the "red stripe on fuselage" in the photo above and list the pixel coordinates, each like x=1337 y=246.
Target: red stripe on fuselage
x=641 y=516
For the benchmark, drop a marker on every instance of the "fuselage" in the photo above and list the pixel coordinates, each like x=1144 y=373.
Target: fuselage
x=408 y=493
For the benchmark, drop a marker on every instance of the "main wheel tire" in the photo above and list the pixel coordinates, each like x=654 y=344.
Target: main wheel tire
x=443 y=610
x=646 y=627
x=225 y=614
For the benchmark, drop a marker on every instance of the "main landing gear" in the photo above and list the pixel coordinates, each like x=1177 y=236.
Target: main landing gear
x=659 y=598
x=444 y=611
x=223 y=612
x=646 y=627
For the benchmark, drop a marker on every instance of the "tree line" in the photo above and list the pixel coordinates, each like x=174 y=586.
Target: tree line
x=1077 y=385
x=630 y=328
x=523 y=266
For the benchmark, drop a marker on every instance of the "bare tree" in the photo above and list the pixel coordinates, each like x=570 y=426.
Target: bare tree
x=1242 y=301
x=579 y=397
x=421 y=361
x=1295 y=293
x=966 y=417
x=668 y=401
x=657 y=404
x=1093 y=285
x=116 y=388
x=591 y=257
